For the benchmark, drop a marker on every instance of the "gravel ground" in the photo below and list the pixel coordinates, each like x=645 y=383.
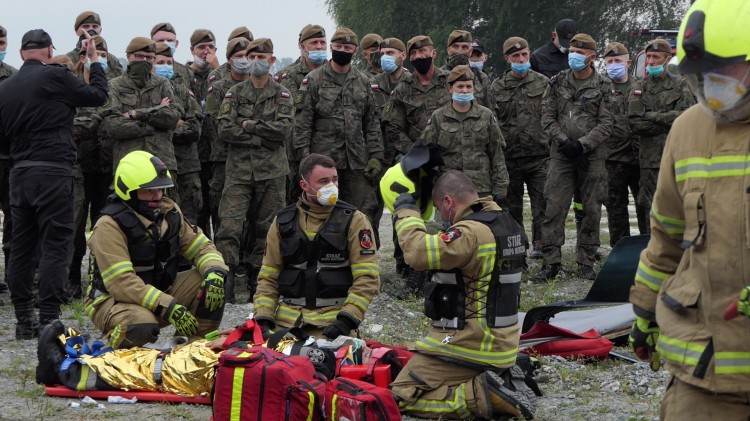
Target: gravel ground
x=574 y=390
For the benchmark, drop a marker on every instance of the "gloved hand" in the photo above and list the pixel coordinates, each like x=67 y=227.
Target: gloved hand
x=405 y=201
x=342 y=326
x=739 y=306
x=212 y=289
x=372 y=169
x=582 y=163
x=267 y=326
x=501 y=201
x=643 y=337
x=572 y=149
x=181 y=318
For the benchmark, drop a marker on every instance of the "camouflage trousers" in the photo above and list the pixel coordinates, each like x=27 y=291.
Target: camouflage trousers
x=564 y=178
x=216 y=186
x=646 y=190
x=252 y=207
x=531 y=171
x=622 y=176
x=356 y=189
x=191 y=198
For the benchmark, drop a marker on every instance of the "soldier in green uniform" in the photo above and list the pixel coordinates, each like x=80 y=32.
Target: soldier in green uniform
x=6 y=71
x=652 y=110
x=222 y=71
x=370 y=49
x=459 y=52
x=90 y=22
x=517 y=96
x=255 y=120
x=165 y=32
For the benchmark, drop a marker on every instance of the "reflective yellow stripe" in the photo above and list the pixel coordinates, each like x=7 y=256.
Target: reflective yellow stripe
x=287 y=314
x=732 y=362
x=310 y=405
x=115 y=270
x=265 y=302
x=456 y=405
x=356 y=300
x=486 y=253
x=407 y=223
x=81 y=385
x=714 y=167
x=650 y=277
x=114 y=336
x=432 y=246
x=89 y=309
x=577 y=206
x=195 y=246
x=333 y=406
x=290 y=315
x=485 y=357
x=237 y=381
x=208 y=257
x=681 y=352
x=269 y=272
x=151 y=298
x=671 y=226
x=361 y=269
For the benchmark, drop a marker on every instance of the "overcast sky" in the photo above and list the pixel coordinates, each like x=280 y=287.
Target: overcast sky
x=122 y=20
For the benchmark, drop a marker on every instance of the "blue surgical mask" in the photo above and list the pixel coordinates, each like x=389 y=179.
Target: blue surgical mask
x=2 y=56
x=388 y=64
x=617 y=71
x=655 y=71
x=521 y=67
x=164 y=70
x=462 y=98
x=102 y=61
x=479 y=65
x=172 y=46
x=317 y=57
x=577 y=61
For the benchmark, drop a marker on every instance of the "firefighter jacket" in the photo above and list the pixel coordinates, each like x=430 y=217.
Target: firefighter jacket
x=698 y=258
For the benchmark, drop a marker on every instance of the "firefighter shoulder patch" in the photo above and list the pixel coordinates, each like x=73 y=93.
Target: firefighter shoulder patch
x=450 y=235
x=365 y=238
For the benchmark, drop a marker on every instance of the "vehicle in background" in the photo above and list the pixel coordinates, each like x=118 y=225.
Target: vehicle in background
x=639 y=62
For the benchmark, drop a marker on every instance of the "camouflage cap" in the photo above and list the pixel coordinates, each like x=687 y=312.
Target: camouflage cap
x=615 y=49
x=459 y=36
x=513 y=44
x=261 y=45
x=87 y=17
x=418 y=41
x=311 y=31
x=584 y=41
x=201 y=35
x=3 y=32
x=344 y=36
x=393 y=43
x=370 y=40
x=36 y=39
x=459 y=73
x=163 y=26
x=659 y=45
x=237 y=44
x=241 y=32
x=162 y=49
x=141 y=44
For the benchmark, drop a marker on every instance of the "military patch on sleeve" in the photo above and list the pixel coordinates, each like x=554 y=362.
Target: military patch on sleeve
x=637 y=93
x=228 y=95
x=298 y=97
x=365 y=239
x=304 y=81
x=388 y=108
x=285 y=109
x=275 y=78
x=225 y=107
x=285 y=94
x=193 y=95
x=212 y=78
x=210 y=89
x=374 y=86
x=450 y=235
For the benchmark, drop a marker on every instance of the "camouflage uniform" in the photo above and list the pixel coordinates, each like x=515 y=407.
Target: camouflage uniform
x=385 y=87
x=482 y=84
x=221 y=72
x=185 y=139
x=6 y=71
x=114 y=69
x=256 y=166
x=518 y=107
x=340 y=120
x=572 y=113
x=199 y=85
x=651 y=112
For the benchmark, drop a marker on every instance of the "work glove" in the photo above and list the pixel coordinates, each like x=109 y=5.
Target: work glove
x=342 y=326
x=582 y=163
x=643 y=337
x=183 y=321
x=405 y=201
x=266 y=327
x=212 y=289
x=739 y=306
x=501 y=201
x=572 y=149
x=372 y=169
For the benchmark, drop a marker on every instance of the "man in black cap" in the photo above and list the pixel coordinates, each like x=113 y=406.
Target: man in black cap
x=551 y=58
x=36 y=127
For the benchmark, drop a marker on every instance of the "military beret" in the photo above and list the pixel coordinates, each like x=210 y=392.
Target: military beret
x=659 y=45
x=141 y=44
x=513 y=44
x=459 y=73
x=163 y=26
x=162 y=49
x=393 y=43
x=261 y=45
x=418 y=41
x=241 y=32
x=237 y=44
x=478 y=48
x=35 y=39
x=370 y=40
x=584 y=41
x=201 y=35
x=311 y=31
x=87 y=17
x=344 y=36
x=459 y=36
x=615 y=49
x=565 y=30
x=101 y=45
x=3 y=32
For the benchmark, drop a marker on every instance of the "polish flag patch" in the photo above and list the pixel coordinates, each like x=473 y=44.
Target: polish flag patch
x=228 y=95
x=285 y=94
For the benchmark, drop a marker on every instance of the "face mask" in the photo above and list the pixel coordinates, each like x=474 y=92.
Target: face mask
x=139 y=72
x=101 y=60
x=199 y=62
x=164 y=70
x=722 y=92
x=457 y=60
x=388 y=64
x=317 y=57
x=462 y=98
x=521 y=67
x=172 y=46
x=655 y=71
x=422 y=65
x=241 y=65
x=617 y=71
x=375 y=58
x=2 y=56
x=478 y=65
x=327 y=195
x=340 y=57
x=577 y=61
x=259 y=67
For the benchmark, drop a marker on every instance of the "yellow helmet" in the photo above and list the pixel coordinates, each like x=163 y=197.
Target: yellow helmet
x=140 y=170
x=413 y=174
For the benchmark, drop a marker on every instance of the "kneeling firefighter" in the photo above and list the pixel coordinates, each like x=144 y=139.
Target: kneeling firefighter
x=136 y=247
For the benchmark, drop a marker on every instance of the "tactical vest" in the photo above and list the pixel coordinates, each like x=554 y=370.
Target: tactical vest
x=446 y=295
x=316 y=273
x=155 y=259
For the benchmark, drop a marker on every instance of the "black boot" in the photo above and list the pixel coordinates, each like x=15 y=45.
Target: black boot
x=586 y=272
x=27 y=326
x=229 y=286
x=547 y=273
x=50 y=353
x=252 y=282
x=73 y=288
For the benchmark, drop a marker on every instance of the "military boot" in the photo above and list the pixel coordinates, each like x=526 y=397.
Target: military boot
x=252 y=282
x=73 y=289
x=27 y=326
x=547 y=273
x=586 y=272
x=50 y=353
x=536 y=251
x=229 y=286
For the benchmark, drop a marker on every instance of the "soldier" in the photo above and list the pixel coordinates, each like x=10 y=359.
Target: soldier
x=552 y=57
x=465 y=364
x=6 y=71
x=185 y=136
x=222 y=72
x=131 y=297
x=306 y=235
x=577 y=119
x=91 y=23
x=140 y=113
x=468 y=137
x=255 y=120
x=651 y=111
x=478 y=56
x=165 y=32
x=622 y=156
x=370 y=48
x=517 y=97
x=459 y=53
x=337 y=115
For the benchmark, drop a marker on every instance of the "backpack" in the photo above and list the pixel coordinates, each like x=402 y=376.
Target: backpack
x=356 y=400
